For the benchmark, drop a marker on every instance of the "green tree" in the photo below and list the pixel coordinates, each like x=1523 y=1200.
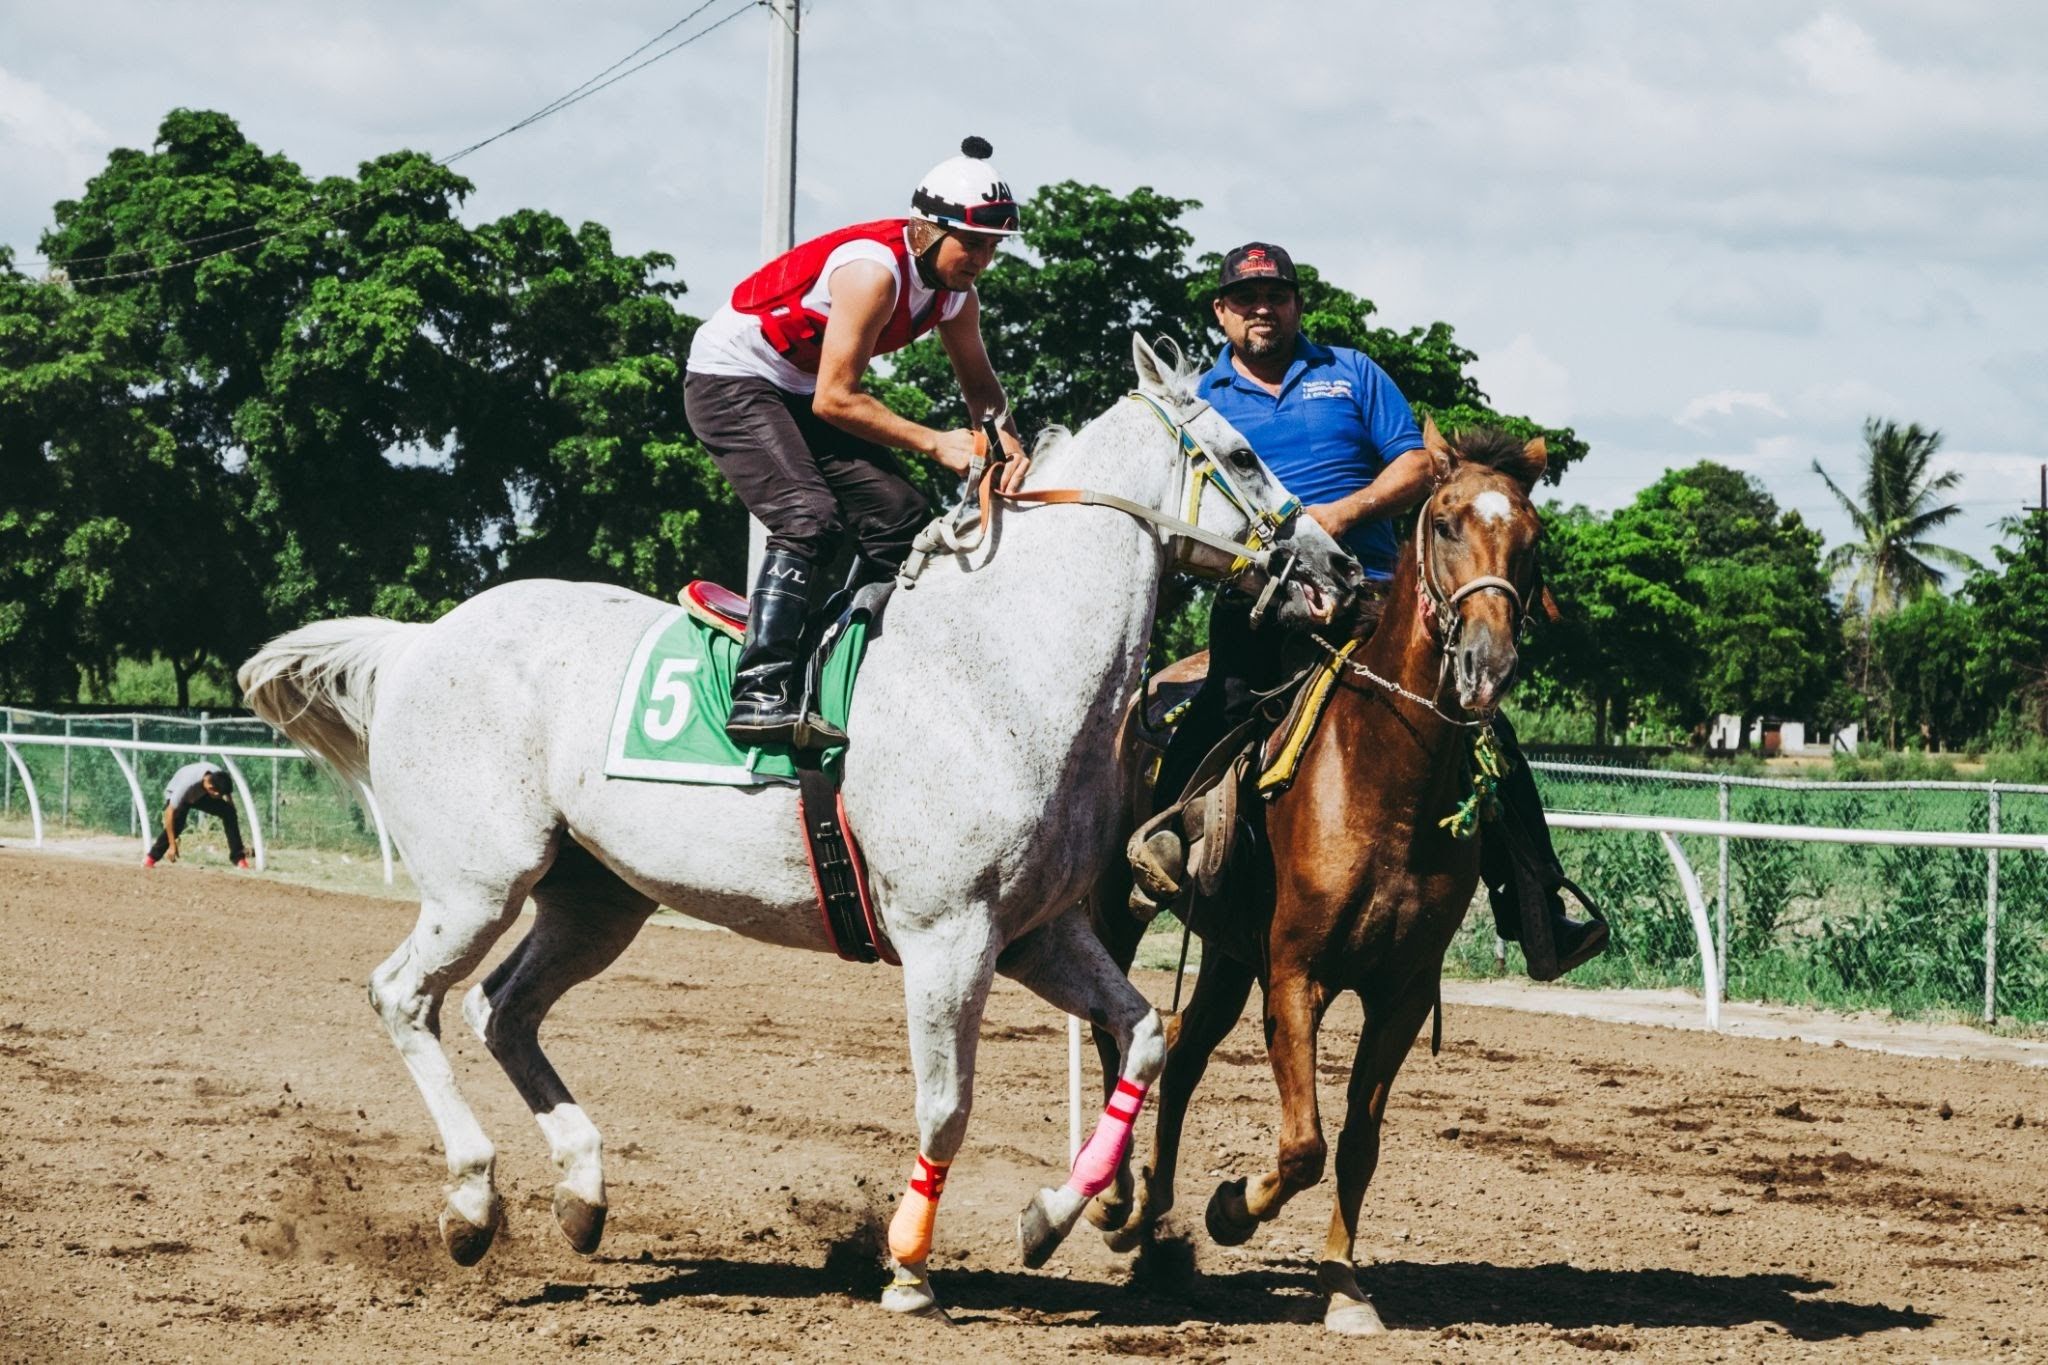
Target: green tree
x=1766 y=636
x=1923 y=651
x=1888 y=564
x=1625 y=636
x=357 y=402
x=2010 y=661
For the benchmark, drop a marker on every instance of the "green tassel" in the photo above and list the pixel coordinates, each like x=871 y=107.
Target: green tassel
x=1489 y=766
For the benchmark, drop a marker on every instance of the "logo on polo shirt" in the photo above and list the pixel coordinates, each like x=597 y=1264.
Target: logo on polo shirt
x=1325 y=388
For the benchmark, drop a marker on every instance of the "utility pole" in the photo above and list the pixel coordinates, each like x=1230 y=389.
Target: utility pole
x=778 y=185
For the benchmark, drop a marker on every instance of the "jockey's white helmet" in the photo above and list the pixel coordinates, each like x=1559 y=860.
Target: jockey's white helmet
x=968 y=193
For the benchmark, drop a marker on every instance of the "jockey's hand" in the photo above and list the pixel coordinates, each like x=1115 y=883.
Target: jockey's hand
x=1019 y=463
x=954 y=450
x=1330 y=517
x=171 y=853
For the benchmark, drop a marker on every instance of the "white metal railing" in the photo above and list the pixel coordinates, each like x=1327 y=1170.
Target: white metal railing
x=119 y=750
x=1712 y=963
x=1723 y=782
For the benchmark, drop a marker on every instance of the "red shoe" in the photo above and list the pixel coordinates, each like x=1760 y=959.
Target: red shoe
x=242 y=862
x=148 y=861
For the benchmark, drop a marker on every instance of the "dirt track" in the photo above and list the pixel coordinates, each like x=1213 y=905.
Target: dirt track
x=208 y=1150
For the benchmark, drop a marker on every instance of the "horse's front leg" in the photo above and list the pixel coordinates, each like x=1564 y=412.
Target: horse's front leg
x=1383 y=1044
x=1065 y=964
x=1294 y=1010
x=1221 y=989
x=946 y=978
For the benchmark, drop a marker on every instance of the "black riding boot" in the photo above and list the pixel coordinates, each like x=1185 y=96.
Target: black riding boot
x=764 y=711
x=1517 y=861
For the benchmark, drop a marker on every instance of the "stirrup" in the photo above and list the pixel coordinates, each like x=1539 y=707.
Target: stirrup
x=760 y=728
x=813 y=731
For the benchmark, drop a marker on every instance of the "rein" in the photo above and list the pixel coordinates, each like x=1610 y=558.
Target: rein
x=1201 y=468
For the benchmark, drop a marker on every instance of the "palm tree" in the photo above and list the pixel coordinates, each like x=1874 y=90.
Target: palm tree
x=1889 y=564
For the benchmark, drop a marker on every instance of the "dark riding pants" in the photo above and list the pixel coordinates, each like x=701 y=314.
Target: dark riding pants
x=807 y=481
x=1243 y=661
x=221 y=807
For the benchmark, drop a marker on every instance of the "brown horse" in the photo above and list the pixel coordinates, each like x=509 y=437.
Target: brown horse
x=1367 y=888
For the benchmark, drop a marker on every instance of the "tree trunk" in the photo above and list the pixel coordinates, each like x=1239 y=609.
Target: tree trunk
x=184 y=677
x=1599 y=721
x=1617 y=717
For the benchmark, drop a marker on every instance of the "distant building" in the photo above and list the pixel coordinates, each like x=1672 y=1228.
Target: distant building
x=1774 y=737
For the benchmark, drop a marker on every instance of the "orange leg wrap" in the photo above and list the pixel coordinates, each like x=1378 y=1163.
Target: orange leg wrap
x=910 y=1231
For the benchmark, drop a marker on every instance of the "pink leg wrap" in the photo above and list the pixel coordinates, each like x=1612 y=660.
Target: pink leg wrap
x=910 y=1231
x=1095 y=1165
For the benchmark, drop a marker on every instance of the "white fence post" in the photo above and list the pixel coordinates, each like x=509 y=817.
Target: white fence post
x=1991 y=913
x=7 y=791
x=28 y=787
x=1696 y=906
x=1721 y=892
x=1073 y=1087
x=249 y=805
x=66 y=818
x=141 y=820
x=134 y=791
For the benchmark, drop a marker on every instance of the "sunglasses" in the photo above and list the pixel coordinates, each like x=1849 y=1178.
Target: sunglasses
x=1000 y=216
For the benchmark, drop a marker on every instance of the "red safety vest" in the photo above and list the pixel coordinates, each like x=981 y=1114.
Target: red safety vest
x=775 y=293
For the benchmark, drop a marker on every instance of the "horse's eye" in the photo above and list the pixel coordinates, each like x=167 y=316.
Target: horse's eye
x=1244 y=460
x=1447 y=528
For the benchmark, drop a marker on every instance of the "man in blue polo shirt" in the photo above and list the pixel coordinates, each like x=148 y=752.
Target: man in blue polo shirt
x=1337 y=432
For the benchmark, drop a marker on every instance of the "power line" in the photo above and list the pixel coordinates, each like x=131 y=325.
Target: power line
x=575 y=96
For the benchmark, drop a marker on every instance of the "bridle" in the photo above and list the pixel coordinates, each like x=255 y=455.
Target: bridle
x=1253 y=550
x=1440 y=616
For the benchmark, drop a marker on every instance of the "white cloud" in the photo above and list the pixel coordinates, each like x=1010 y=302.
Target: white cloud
x=1724 y=404
x=1748 y=301
x=1520 y=378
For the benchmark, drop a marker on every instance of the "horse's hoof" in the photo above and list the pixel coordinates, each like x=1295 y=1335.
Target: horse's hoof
x=581 y=1221
x=1129 y=1237
x=1045 y=1223
x=466 y=1241
x=911 y=1292
x=1230 y=1223
x=1349 y=1317
x=1107 y=1216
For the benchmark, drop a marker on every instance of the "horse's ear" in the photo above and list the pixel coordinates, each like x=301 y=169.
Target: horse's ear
x=1151 y=369
x=1442 y=458
x=1535 y=459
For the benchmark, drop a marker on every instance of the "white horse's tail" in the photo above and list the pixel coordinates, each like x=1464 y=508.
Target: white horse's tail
x=318 y=684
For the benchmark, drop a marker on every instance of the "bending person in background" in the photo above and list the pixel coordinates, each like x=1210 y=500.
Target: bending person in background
x=773 y=390
x=197 y=786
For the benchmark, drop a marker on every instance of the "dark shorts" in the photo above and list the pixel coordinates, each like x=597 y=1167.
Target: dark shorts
x=811 y=484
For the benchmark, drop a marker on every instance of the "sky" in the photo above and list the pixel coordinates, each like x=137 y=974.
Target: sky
x=1722 y=231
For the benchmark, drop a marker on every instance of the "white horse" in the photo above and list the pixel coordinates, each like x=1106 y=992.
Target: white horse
x=979 y=784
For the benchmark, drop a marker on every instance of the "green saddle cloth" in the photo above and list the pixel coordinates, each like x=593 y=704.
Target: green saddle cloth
x=677 y=693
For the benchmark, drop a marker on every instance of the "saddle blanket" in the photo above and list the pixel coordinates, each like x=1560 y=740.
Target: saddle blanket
x=677 y=693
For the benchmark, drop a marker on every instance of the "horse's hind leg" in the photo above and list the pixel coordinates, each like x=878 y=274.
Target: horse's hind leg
x=1383 y=1045
x=1065 y=964
x=456 y=928
x=1221 y=989
x=585 y=916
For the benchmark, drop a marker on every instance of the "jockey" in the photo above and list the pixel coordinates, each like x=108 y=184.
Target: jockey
x=1337 y=432
x=773 y=390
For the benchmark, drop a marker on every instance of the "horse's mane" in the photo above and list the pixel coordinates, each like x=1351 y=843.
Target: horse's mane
x=1496 y=448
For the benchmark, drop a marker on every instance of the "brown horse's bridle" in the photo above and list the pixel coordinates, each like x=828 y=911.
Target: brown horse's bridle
x=1440 y=616
x=1441 y=606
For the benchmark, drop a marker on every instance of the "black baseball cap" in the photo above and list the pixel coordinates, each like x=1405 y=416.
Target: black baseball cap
x=1256 y=262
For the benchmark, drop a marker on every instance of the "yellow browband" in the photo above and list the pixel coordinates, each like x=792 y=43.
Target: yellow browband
x=1265 y=526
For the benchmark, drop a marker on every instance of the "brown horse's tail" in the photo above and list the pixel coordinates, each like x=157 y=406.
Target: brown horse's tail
x=318 y=684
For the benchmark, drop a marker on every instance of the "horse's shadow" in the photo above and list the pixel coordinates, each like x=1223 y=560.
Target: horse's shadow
x=1409 y=1294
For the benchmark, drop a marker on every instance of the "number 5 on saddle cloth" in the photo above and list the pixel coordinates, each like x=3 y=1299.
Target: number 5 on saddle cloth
x=669 y=726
